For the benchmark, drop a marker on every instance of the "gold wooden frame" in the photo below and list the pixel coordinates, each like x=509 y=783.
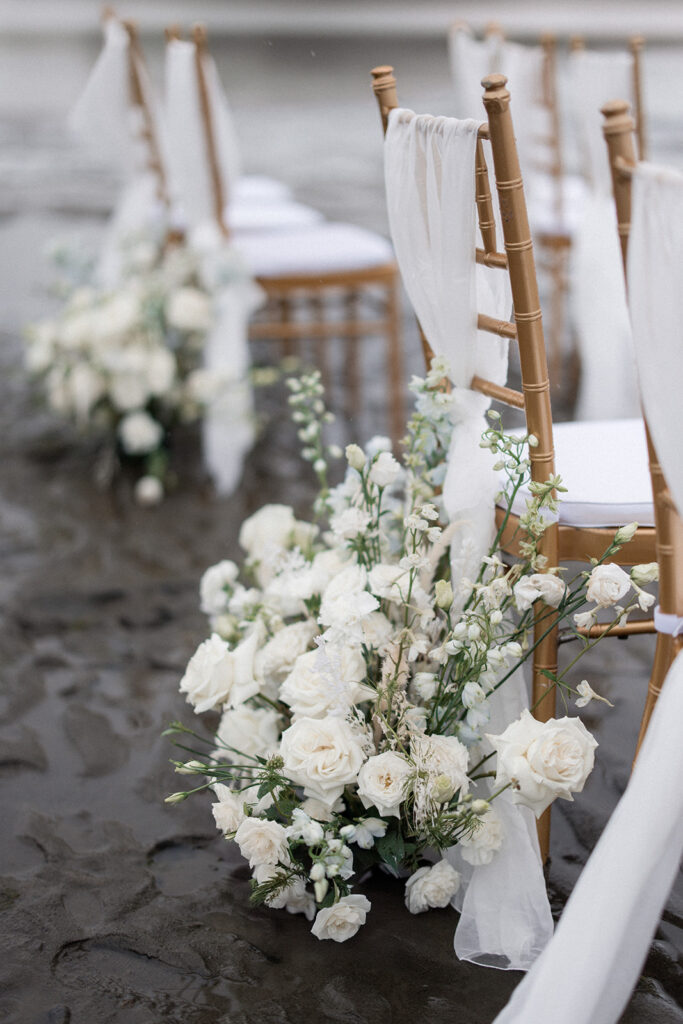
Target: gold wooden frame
x=560 y=543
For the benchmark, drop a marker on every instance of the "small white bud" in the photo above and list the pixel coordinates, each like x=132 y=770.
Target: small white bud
x=317 y=872
x=444 y=594
x=355 y=456
x=480 y=807
x=175 y=798
x=625 y=533
x=321 y=888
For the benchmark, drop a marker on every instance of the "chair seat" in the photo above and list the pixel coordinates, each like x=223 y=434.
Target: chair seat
x=259 y=188
x=604 y=466
x=326 y=248
x=254 y=215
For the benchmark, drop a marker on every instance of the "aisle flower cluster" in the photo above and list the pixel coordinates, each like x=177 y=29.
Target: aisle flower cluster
x=125 y=364
x=354 y=677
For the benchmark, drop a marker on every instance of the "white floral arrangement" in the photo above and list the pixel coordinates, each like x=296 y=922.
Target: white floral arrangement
x=125 y=364
x=354 y=676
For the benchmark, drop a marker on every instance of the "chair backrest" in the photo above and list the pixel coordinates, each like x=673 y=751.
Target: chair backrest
x=140 y=96
x=619 y=132
x=517 y=261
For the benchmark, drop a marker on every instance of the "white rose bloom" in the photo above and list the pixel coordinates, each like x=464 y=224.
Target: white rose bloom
x=228 y=812
x=119 y=315
x=188 y=309
x=216 y=675
x=384 y=470
x=383 y=782
x=342 y=920
x=294 y=898
x=272 y=526
x=443 y=755
x=322 y=755
x=431 y=887
x=212 y=586
x=276 y=659
x=253 y=732
x=324 y=680
x=607 y=584
x=128 y=391
x=389 y=581
x=544 y=760
x=481 y=845
x=262 y=842
x=376 y=444
x=86 y=387
x=139 y=433
x=544 y=585
x=348 y=523
x=149 y=491
x=160 y=371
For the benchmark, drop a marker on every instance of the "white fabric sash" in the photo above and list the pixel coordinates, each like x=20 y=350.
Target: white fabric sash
x=429 y=169
x=587 y=972
x=608 y=387
x=471 y=60
x=655 y=262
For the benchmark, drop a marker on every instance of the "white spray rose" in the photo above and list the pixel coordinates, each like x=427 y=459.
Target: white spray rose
x=188 y=309
x=216 y=675
x=342 y=920
x=139 y=433
x=383 y=782
x=431 y=887
x=607 y=584
x=213 y=584
x=481 y=845
x=270 y=527
x=540 y=584
x=384 y=470
x=254 y=732
x=543 y=760
x=262 y=842
x=228 y=812
x=326 y=679
x=322 y=755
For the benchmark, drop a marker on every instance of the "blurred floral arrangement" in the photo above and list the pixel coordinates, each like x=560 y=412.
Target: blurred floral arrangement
x=355 y=677
x=125 y=364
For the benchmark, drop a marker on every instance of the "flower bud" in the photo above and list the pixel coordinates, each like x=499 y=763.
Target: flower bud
x=320 y=889
x=480 y=807
x=317 y=872
x=647 y=573
x=175 y=798
x=442 y=789
x=355 y=456
x=444 y=594
x=625 y=533
x=190 y=768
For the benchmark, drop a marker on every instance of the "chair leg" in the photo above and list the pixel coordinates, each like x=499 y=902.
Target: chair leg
x=666 y=650
x=395 y=363
x=351 y=304
x=543 y=702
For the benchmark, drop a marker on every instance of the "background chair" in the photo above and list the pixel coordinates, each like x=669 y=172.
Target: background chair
x=602 y=491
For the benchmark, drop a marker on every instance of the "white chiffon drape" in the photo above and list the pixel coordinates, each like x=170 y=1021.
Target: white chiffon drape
x=588 y=971
x=608 y=388
x=429 y=170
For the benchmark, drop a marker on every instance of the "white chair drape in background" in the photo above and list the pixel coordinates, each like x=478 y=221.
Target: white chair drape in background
x=588 y=971
x=608 y=388
x=471 y=60
x=429 y=170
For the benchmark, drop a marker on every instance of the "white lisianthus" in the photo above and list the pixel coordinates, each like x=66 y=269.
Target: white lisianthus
x=139 y=433
x=607 y=584
x=262 y=842
x=326 y=679
x=644 y=574
x=625 y=533
x=342 y=920
x=272 y=526
x=251 y=732
x=294 y=897
x=431 y=887
x=383 y=782
x=443 y=594
x=188 y=309
x=384 y=470
x=355 y=456
x=216 y=675
x=443 y=755
x=149 y=491
x=481 y=845
x=322 y=755
x=540 y=584
x=228 y=812
x=543 y=760
x=213 y=584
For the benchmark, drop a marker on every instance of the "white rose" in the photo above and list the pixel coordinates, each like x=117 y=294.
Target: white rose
x=252 y=732
x=480 y=846
x=607 y=584
x=119 y=315
x=262 y=842
x=326 y=679
x=294 y=898
x=139 y=433
x=383 y=782
x=378 y=443
x=342 y=920
x=431 y=887
x=188 y=309
x=276 y=659
x=443 y=755
x=544 y=760
x=86 y=387
x=213 y=584
x=322 y=755
x=529 y=588
x=216 y=675
x=149 y=491
x=268 y=529
x=384 y=470
x=228 y=812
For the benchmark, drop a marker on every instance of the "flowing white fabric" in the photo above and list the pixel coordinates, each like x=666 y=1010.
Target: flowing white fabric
x=471 y=60
x=587 y=972
x=429 y=169
x=608 y=387
x=655 y=259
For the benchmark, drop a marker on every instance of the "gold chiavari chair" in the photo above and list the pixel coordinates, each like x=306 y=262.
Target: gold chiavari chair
x=314 y=271
x=562 y=542
x=621 y=131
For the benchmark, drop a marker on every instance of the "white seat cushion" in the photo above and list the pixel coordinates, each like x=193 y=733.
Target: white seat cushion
x=320 y=249
x=254 y=215
x=259 y=187
x=604 y=466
